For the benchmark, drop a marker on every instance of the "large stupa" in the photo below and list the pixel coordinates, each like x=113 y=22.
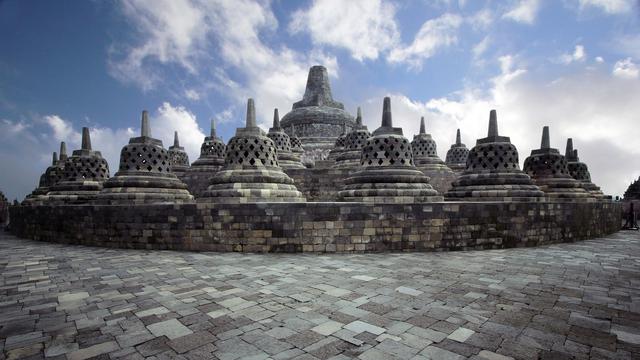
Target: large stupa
x=317 y=118
x=580 y=171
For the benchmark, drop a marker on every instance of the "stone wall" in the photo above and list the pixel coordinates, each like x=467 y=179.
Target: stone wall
x=317 y=227
x=319 y=184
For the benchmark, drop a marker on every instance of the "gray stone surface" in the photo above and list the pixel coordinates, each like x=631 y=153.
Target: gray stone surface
x=577 y=300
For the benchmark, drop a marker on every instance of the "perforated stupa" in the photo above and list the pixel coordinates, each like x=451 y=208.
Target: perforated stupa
x=388 y=173
x=251 y=172
x=353 y=143
x=211 y=160
x=338 y=146
x=457 y=155
x=549 y=170
x=286 y=158
x=493 y=172
x=580 y=171
x=51 y=176
x=178 y=157
x=425 y=157
x=83 y=175
x=144 y=175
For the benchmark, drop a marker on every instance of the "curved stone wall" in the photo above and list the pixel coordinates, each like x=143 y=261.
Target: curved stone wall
x=318 y=227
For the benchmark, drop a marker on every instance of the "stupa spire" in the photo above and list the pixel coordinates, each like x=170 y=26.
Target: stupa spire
x=251 y=114
x=493 y=124
x=86 y=139
x=386 y=113
x=458 y=139
x=145 y=129
x=213 y=127
x=359 y=117
x=63 y=151
x=546 y=143
x=54 y=159
x=423 y=128
x=568 y=153
x=176 y=140
x=276 y=119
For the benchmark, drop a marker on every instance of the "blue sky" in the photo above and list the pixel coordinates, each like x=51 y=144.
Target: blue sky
x=573 y=65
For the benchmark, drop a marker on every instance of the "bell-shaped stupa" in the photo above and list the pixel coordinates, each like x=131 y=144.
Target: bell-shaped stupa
x=144 y=175
x=349 y=159
x=580 y=171
x=318 y=119
x=83 y=175
x=251 y=172
x=178 y=157
x=211 y=160
x=286 y=158
x=296 y=147
x=51 y=176
x=549 y=170
x=457 y=155
x=338 y=146
x=425 y=157
x=493 y=172
x=388 y=173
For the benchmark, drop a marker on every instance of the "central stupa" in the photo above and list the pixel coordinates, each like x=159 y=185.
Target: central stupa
x=317 y=118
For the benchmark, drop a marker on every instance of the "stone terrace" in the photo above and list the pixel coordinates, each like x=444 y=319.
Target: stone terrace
x=578 y=299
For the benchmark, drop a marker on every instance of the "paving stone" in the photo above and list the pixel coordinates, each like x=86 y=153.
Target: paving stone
x=575 y=300
x=170 y=328
x=433 y=352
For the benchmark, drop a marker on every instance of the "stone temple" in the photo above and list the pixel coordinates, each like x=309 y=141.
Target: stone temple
x=254 y=195
x=318 y=119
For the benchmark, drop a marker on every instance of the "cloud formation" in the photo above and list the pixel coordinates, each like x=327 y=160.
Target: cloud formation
x=524 y=12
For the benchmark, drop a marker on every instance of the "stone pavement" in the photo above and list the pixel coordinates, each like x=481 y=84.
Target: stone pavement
x=579 y=300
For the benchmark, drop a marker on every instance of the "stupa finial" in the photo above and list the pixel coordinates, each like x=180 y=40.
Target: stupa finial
x=251 y=114
x=276 y=119
x=54 y=159
x=176 y=141
x=575 y=154
x=359 y=117
x=568 y=153
x=86 y=139
x=458 y=139
x=546 y=143
x=213 y=127
x=145 y=129
x=63 y=151
x=386 y=112
x=423 y=128
x=493 y=124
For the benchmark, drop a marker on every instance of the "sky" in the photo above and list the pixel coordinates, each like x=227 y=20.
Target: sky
x=573 y=65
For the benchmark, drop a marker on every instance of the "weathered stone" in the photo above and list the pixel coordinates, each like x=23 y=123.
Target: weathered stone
x=580 y=171
x=425 y=156
x=457 y=155
x=178 y=157
x=211 y=160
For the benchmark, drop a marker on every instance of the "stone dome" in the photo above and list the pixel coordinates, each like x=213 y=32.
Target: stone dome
x=251 y=172
x=211 y=160
x=145 y=174
x=178 y=157
x=51 y=176
x=353 y=144
x=457 y=155
x=388 y=174
x=580 y=171
x=83 y=174
x=286 y=158
x=549 y=170
x=493 y=172
x=318 y=118
x=425 y=156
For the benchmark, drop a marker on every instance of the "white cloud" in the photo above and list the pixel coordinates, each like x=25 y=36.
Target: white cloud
x=61 y=129
x=570 y=105
x=626 y=69
x=192 y=94
x=169 y=118
x=434 y=35
x=232 y=31
x=524 y=11
x=608 y=6
x=578 y=55
x=364 y=28
x=599 y=59
x=480 y=48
